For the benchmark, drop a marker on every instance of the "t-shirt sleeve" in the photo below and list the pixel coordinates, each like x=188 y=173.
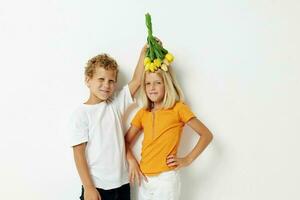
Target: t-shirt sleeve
x=123 y=99
x=185 y=113
x=137 y=120
x=78 y=128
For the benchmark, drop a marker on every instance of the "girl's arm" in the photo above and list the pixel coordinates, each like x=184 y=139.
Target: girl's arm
x=134 y=169
x=205 y=138
x=90 y=191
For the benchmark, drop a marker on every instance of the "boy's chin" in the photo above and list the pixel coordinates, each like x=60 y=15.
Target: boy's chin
x=105 y=98
x=102 y=97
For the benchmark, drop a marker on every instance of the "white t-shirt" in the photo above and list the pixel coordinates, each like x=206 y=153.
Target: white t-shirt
x=100 y=125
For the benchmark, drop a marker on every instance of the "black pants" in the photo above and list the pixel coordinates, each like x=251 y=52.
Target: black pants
x=120 y=193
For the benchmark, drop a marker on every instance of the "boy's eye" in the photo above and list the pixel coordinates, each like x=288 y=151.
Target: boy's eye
x=101 y=79
x=147 y=83
x=111 y=81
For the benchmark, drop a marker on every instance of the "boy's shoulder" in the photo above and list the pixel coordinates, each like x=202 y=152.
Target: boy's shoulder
x=83 y=108
x=122 y=98
x=79 y=112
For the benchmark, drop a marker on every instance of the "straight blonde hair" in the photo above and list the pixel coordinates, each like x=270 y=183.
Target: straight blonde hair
x=173 y=92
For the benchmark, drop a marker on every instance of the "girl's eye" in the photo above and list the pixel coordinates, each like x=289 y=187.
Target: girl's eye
x=111 y=81
x=147 y=83
x=101 y=79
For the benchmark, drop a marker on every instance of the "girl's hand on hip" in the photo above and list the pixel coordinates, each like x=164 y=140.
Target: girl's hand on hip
x=173 y=161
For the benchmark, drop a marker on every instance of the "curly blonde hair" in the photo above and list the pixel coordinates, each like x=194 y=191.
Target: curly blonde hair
x=103 y=60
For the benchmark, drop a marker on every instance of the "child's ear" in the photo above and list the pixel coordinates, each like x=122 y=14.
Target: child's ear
x=87 y=81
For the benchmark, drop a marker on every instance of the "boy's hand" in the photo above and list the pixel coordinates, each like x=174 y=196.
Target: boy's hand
x=91 y=193
x=144 y=49
x=173 y=161
x=135 y=172
x=158 y=40
x=146 y=46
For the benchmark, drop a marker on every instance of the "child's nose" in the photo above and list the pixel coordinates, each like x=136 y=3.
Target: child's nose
x=106 y=84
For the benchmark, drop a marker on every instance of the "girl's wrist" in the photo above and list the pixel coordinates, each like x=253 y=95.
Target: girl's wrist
x=189 y=160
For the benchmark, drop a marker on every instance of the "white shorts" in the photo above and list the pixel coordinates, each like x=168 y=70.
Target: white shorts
x=165 y=186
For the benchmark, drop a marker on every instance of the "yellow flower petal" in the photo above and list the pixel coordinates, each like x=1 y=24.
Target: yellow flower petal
x=169 y=57
x=147 y=67
x=166 y=62
x=152 y=67
x=164 y=67
x=147 y=60
x=157 y=62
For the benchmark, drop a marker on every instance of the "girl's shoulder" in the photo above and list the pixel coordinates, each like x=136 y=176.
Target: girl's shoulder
x=179 y=104
x=184 y=112
x=142 y=111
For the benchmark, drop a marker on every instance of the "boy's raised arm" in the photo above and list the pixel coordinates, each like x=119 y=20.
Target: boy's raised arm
x=135 y=82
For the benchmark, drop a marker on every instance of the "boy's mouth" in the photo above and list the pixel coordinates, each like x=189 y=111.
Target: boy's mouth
x=104 y=91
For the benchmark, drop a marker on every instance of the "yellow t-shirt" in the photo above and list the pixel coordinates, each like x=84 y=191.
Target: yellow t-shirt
x=162 y=131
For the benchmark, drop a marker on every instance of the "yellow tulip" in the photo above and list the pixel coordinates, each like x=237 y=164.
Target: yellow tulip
x=164 y=67
x=147 y=66
x=152 y=67
x=157 y=62
x=169 y=57
x=166 y=62
x=147 y=60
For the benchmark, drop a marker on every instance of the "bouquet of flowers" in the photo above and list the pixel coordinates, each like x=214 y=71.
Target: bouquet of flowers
x=156 y=56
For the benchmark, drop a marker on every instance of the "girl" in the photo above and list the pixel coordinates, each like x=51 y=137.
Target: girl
x=162 y=119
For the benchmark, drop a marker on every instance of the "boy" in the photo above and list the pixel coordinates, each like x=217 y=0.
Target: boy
x=96 y=130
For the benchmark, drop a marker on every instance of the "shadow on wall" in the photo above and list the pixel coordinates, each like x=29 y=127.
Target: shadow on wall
x=196 y=178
